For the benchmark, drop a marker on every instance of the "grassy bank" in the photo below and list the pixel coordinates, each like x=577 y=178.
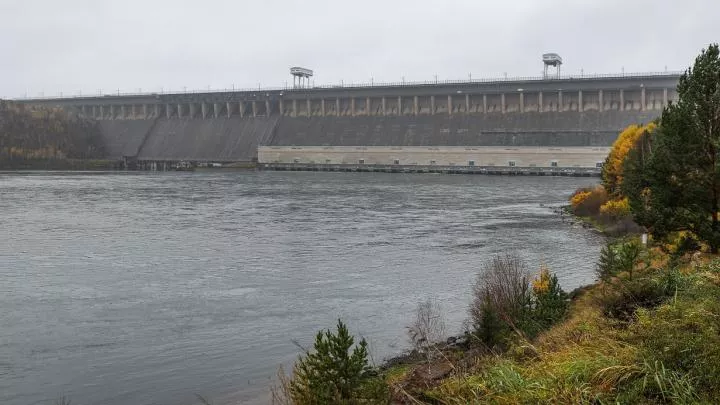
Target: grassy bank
x=647 y=332
x=645 y=336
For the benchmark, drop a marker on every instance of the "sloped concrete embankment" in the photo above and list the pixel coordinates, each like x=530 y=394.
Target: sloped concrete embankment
x=232 y=139
x=124 y=137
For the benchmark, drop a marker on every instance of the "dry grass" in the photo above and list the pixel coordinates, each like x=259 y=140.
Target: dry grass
x=280 y=390
x=590 y=358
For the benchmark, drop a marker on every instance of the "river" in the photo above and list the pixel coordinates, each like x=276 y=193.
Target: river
x=140 y=288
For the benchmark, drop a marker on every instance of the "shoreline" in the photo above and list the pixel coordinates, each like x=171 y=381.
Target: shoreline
x=89 y=165
x=613 y=322
x=461 y=345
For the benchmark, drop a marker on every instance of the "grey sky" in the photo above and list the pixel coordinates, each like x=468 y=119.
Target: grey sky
x=73 y=46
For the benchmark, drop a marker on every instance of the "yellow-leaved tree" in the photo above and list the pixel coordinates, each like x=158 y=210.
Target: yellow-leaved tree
x=612 y=173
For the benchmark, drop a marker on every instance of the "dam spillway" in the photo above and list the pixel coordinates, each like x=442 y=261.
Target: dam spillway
x=553 y=123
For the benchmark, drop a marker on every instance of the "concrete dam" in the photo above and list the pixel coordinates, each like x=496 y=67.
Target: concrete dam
x=537 y=125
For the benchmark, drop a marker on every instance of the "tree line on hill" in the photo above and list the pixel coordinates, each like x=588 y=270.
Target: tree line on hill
x=41 y=134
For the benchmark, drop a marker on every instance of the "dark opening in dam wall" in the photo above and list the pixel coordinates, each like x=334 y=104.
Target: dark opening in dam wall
x=230 y=126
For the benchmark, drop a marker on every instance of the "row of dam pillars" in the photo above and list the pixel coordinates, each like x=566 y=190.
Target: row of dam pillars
x=546 y=101
x=479 y=103
x=180 y=110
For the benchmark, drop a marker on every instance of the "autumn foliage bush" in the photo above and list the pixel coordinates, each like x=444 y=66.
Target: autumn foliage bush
x=605 y=203
x=616 y=208
x=586 y=202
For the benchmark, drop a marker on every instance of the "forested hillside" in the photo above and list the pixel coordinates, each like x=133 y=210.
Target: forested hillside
x=45 y=134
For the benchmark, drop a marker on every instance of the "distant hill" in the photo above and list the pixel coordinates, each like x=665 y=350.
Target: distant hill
x=46 y=134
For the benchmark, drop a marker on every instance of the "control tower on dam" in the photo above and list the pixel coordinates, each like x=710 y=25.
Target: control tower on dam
x=536 y=124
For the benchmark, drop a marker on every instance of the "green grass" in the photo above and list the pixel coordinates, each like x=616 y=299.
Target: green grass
x=667 y=352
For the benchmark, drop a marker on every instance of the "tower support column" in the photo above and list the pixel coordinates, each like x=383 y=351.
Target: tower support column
x=581 y=107
x=561 y=107
x=643 y=105
x=540 y=102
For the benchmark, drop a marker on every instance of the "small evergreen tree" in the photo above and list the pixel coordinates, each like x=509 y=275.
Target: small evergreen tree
x=619 y=256
x=551 y=303
x=607 y=265
x=335 y=372
x=490 y=329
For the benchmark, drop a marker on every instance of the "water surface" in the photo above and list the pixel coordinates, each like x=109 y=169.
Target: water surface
x=151 y=288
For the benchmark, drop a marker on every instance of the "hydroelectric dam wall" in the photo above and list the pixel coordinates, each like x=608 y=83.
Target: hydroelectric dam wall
x=547 y=124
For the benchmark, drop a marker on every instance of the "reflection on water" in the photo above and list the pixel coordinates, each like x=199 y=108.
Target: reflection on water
x=150 y=288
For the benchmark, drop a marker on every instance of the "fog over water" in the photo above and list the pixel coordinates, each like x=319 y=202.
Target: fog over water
x=151 y=288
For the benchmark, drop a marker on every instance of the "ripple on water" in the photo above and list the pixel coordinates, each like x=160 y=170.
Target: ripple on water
x=149 y=288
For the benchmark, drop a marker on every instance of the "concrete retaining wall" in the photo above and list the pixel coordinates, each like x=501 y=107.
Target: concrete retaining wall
x=492 y=129
x=580 y=157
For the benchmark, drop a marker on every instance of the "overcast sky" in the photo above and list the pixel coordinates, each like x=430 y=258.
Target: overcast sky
x=73 y=46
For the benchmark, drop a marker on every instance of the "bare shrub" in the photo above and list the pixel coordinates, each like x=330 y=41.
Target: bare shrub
x=428 y=328
x=280 y=393
x=502 y=299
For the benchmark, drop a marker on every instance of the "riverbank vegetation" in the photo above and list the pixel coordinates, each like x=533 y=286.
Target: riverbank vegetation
x=48 y=138
x=646 y=332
